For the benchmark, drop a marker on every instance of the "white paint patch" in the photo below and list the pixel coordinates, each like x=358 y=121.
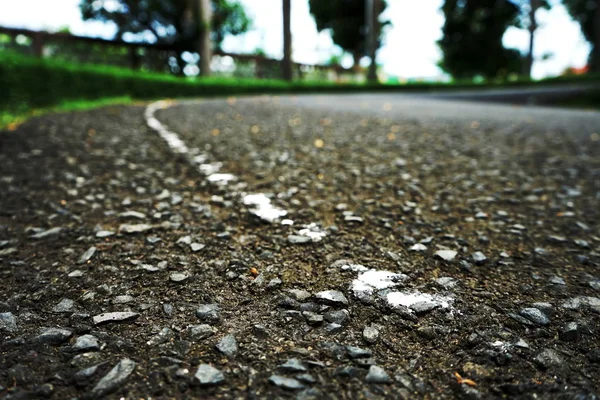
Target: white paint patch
x=313 y=231
x=172 y=139
x=408 y=299
x=373 y=280
x=261 y=207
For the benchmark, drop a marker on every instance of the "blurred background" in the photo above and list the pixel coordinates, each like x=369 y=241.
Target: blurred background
x=314 y=40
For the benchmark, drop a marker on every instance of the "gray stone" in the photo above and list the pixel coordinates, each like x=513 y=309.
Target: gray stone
x=297 y=239
x=164 y=336
x=66 y=306
x=123 y=299
x=105 y=318
x=115 y=378
x=54 y=336
x=8 y=322
x=377 y=375
x=312 y=318
x=370 y=334
x=85 y=257
x=207 y=375
x=286 y=383
x=357 y=352
x=333 y=327
x=418 y=247
x=203 y=331
x=535 y=315
x=423 y=307
x=447 y=255
x=582 y=301
x=104 y=234
x=50 y=232
x=299 y=295
x=478 y=258
x=178 y=277
x=548 y=358
x=570 y=332
x=595 y=285
x=227 y=345
x=134 y=228
x=292 y=365
x=197 y=247
x=86 y=343
x=337 y=316
x=332 y=297
x=447 y=282
x=132 y=214
x=557 y=280
x=546 y=308
x=208 y=312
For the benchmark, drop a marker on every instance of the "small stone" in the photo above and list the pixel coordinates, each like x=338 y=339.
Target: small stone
x=104 y=234
x=422 y=307
x=370 y=334
x=292 y=365
x=333 y=328
x=178 y=277
x=185 y=240
x=8 y=322
x=132 y=214
x=447 y=282
x=197 y=247
x=207 y=375
x=595 y=285
x=50 y=232
x=478 y=258
x=377 y=375
x=228 y=345
x=299 y=295
x=199 y=332
x=447 y=255
x=357 y=352
x=64 y=306
x=123 y=299
x=332 y=297
x=208 y=312
x=164 y=336
x=337 y=316
x=297 y=239
x=535 y=315
x=87 y=255
x=570 y=332
x=54 y=336
x=557 y=280
x=134 y=228
x=75 y=274
x=115 y=378
x=312 y=318
x=582 y=243
x=285 y=383
x=548 y=358
x=86 y=343
x=418 y=247
x=115 y=317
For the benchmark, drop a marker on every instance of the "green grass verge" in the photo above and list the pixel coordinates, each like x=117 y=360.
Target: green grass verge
x=28 y=83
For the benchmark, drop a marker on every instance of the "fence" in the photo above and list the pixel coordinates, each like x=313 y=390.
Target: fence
x=155 y=57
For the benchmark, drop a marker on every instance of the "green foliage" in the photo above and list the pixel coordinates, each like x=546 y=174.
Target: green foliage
x=346 y=21
x=169 y=21
x=584 y=12
x=472 y=39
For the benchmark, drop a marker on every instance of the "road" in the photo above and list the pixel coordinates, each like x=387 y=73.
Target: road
x=317 y=246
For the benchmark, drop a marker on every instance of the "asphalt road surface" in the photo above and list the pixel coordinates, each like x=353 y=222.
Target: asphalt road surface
x=310 y=247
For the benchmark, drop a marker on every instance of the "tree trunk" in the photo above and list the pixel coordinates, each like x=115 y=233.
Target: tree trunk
x=204 y=45
x=595 y=62
x=533 y=7
x=287 y=41
x=371 y=16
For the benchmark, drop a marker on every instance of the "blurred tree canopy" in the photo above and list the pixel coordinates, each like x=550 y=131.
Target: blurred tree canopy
x=587 y=13
x=472 y=38
x=169 y=21
x=346 y=20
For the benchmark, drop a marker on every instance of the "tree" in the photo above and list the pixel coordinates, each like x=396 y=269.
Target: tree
x=472 y=38
x=528 y=20
x=287 y=40
x=346 y=21
x=204 y=42
x=174 y=22
x=587 y=14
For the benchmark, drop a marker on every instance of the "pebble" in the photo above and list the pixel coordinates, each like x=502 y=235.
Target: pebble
x=286 y=383
x=125 y=316
x=535 y=315
x=478 y=258
x=570 y=332
x=595 y=285
x=75 y=274
x=292 y=365
x=8 y=322
x=332 y=297
x=134 y=228
x=337 y=316
x=86 y=343
x=123 y=299
x=89 y=253
x=447 y=282
x=207 y=375
x=132 y=214
x=357 y=352
x=312 y=318
x=377 y=375
x=64 y=306
x=197 y=247
x=115 y=378
x=104 y=234
x=164 y=336
x=208 y=312
x=447 y=255
x=54 y=336
x=370 y=334
x=50 y=232
x=178 y=277
x=228 y=345
x=418 y=247
x=548 y=358
x=299 y=295
x=199 y=332
x=297 y=239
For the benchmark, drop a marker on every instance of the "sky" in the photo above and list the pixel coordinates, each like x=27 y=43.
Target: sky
x=409 y=49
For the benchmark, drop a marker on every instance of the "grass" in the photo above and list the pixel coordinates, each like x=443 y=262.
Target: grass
x=11 y=120
x=31 y=86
